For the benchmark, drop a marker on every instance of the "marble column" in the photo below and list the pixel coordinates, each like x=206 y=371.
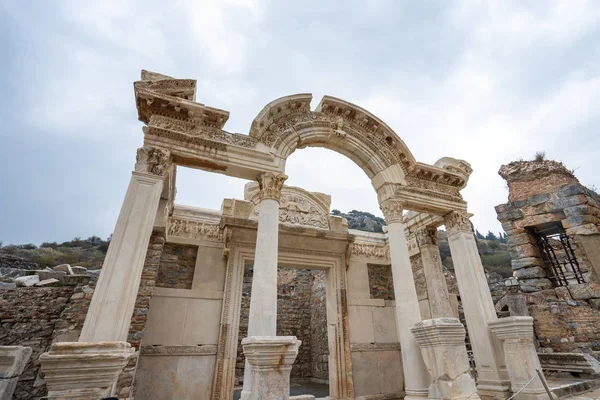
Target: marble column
x=442 y=342
x=271 y=359
x=110 y=311
x=492 y=377
x=407 y=304
x=13 y=360
x=262 y=319
x=522 y=359
x=437 y=290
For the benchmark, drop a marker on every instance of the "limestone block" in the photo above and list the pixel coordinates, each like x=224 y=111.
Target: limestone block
x=588 y=229
x=50 y=274
x=83 y=370
x=66 y=268
x=78 y=270
x=584 y=291
x=73 y=280
x=303 y=397
x=562 y=293
x=271 y=359
x=570 y=190
x=594 y=303
x=384 y=325
x=526 y=262
x=583 y=209
x=522 y=362
x=442 y=342
x=511 y=215
x=524 y=251
x=361 y=324
x=7 y=388
x=29 y=280
x=13 y=360
x=517 y=239
x=47 y=282
x=580 y=220
x=535 y=285
x=7 y=285
x=531 y=273
x=570 y=362
x=538 y=199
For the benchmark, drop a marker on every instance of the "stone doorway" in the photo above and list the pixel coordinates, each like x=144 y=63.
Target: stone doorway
x=301 y=312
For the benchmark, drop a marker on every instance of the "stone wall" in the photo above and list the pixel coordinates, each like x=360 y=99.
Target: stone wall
x=37 y=317
x=381 y=284
x=318 y=324
x=177 y=266
x=7 y=261
x=301 y=312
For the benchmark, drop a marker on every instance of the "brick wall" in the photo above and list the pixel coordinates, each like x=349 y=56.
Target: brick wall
x=301 y=312
x=177 y=265
x=381 y=284
x=37 y=317
x=545 y=184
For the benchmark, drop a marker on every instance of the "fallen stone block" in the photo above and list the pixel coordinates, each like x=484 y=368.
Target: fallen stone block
x=25 y=281
x=72 y=280
x=50 y=274
x=78 y=270
x=13 y=360
x=64 y=268
x=46 y=282
x=8 y=285
x=570 y=362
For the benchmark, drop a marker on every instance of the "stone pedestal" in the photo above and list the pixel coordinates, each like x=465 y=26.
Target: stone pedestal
x=442 y=342
x=407 y=303
x=262 y=318
x=492 y=377
x=522 y=360
x=13 y=360
x=77 y=370
x=271 y=359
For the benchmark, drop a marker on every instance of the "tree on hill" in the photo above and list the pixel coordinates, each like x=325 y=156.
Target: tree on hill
x=490 y=236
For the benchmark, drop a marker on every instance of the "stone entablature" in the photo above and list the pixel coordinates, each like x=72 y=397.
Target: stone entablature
x=193 y=135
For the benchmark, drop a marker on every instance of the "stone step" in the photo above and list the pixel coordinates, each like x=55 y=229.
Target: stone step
x=569 y=387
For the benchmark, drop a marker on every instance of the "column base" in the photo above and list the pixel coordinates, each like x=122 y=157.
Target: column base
x=416 y=394
x=271 y=359
x=245 y=395
x=493 y=392
x=83 y=370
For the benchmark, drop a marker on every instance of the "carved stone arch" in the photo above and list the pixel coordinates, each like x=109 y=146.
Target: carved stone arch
x=288 y=123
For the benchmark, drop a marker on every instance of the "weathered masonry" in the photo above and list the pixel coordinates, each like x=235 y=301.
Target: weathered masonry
x=552 y=224
x=167 y=306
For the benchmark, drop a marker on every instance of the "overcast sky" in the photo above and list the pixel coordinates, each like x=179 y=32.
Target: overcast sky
x=485 y=81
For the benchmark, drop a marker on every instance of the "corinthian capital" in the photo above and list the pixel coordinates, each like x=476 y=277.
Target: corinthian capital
x=426 y=235
x=153 y=160
x=270 y=184
x=457 y=221
x=392 y=210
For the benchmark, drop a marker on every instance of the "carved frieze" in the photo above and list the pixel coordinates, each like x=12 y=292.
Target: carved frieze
x=153 y=160
x=457 y=222
x=195 y=230
x=197 y=129
x=270 y=185
x=370 y=250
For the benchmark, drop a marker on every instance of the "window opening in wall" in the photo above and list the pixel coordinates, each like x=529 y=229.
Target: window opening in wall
x=558 y=254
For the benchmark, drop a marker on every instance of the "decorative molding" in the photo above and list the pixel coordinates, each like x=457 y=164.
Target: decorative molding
x=270 y=184
x=370 y=250
x=153 y=160
x=457 y=221
x=426 y=236
x=392 y=210
x=195 y=230
x=204 y=350
x=357 y=347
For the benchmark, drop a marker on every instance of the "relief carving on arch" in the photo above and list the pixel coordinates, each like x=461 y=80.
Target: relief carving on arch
x=195 y=230
x=297 y=207
x=153 y=160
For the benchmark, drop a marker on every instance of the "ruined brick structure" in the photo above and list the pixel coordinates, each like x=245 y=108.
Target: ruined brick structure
x=552 y=225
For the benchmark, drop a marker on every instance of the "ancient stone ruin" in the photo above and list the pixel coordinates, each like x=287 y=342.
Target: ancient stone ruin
x=214 y=304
